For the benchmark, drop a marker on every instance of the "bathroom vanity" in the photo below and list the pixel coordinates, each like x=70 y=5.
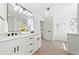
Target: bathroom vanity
x=73 y=43
x=25 y=44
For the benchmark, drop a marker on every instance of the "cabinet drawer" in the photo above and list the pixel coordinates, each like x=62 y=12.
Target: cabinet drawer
x=29 y=49
x=30 y=38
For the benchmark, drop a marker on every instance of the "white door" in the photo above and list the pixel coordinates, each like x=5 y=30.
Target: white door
x=48 y=28
x=61 y=32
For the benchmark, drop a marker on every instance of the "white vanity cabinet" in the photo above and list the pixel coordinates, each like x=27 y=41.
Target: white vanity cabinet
x=21 y=45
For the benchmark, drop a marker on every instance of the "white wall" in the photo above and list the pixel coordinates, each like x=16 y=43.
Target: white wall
x=3 y=13
x=64 y=13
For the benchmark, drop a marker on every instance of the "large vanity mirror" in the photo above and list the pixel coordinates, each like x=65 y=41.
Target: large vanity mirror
x=19 y=19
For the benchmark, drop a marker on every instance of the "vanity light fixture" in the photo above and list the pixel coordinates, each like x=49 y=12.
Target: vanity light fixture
x=24 y=11
x=21 y=9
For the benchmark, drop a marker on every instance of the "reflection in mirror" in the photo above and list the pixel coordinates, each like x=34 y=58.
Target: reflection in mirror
x=19 y=20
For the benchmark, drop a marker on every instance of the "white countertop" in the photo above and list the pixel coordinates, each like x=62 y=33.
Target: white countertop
x=12 y=37
x=23 y=34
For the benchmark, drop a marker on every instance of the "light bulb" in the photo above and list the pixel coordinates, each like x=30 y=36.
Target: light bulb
x=21 y=10
x=27 y=14
x=24 y=12
x=16 y=8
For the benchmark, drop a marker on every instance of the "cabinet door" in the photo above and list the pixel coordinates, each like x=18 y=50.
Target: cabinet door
x=48 y=28
x=37 y=42
x=6 y=47
x=7 y=51
x=16 y=50
x=21 y=48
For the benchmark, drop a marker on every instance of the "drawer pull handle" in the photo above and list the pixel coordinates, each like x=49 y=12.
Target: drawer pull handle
x=31 y=38
x=30 y=51
x=17 y=48
x=14 y=50
x=31 y=44
x=38 y=39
